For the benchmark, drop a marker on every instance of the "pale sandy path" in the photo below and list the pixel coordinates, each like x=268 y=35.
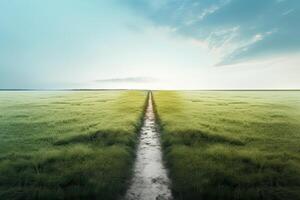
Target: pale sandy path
x=150 y=180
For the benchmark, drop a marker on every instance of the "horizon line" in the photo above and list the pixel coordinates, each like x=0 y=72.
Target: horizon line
x=145 y=89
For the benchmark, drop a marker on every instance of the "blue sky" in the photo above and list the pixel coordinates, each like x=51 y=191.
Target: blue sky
x=161 y=44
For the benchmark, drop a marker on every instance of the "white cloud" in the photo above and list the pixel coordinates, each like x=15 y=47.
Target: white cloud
x=206 y=11
x=257 y=38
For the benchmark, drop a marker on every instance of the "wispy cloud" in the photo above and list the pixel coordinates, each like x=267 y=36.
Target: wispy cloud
x=139 y=79
x=215 y=22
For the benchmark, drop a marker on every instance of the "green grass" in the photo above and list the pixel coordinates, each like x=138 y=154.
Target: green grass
x=67 y=145
x=231 y=145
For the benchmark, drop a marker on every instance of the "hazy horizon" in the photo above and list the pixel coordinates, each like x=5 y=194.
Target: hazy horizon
x=150 y=44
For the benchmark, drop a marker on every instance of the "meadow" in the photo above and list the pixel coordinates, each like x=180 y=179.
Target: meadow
x=68 y=145
x=231 y=144
x=216 y=144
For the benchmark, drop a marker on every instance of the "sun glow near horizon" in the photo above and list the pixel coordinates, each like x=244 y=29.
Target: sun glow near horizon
x=183 y=45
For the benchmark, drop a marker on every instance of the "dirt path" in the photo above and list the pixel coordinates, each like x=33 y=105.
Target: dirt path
x=150 y=180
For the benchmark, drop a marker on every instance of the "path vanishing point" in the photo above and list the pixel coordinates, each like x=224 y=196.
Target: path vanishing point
x=150 y=180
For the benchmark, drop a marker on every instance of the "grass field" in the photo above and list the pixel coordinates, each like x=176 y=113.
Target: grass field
x=217 y=145
x=231 y=145
x=67 y=145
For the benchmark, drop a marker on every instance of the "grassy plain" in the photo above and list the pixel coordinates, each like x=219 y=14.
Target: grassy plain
x=67 y=145
x=231 y=145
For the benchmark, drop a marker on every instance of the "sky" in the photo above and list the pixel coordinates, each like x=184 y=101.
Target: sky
x=150 y=44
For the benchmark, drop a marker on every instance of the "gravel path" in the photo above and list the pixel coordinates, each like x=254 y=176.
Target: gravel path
x=150 y=180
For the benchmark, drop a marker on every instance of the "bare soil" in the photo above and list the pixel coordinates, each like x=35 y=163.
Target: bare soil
x=150 y=180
